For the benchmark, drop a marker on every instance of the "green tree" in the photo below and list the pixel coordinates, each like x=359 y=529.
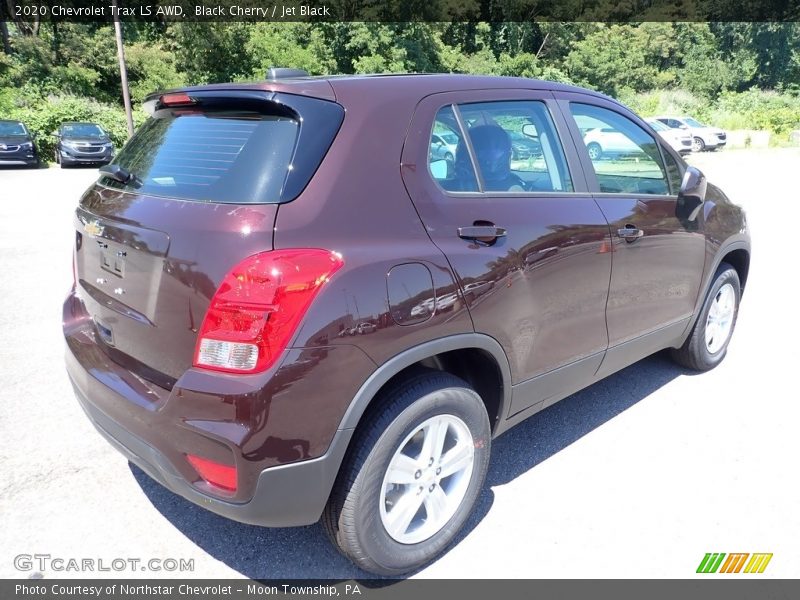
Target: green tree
x=211 y=52
x=298 y=45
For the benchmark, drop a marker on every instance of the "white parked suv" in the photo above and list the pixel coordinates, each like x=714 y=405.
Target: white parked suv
x=679 y=139
x=703 y=136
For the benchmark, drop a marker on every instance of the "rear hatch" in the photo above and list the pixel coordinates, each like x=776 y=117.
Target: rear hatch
x=197 y=191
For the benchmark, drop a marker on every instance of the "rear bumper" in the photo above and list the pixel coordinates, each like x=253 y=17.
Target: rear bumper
x=153 y=428
x=285 y=496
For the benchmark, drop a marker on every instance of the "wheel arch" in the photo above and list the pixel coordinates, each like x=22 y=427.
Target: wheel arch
x=478 y=359
x=737 y=254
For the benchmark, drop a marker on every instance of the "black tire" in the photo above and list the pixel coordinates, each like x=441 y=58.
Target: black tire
x=695 y=354
x=595 y=151
x=698 y=145
x=352 y=517
x=449 y=157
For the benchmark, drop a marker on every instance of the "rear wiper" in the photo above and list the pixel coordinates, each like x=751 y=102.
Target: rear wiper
x=120 y=174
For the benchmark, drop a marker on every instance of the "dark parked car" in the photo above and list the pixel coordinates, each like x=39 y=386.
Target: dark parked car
x=244 y=227
x=17 y=145
x=83 y=144
x=524 y=147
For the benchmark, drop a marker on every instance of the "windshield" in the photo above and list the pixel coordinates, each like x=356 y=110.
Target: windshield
x=11 y=128
x=692 y=123
x=450 y=138
x=86 y=130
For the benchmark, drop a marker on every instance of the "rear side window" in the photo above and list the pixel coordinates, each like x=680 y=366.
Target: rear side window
x=513 y=144
x=446 y=144
x=227 y=157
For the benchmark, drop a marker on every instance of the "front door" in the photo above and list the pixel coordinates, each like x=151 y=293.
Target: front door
x=657 y=258
x=527 y=242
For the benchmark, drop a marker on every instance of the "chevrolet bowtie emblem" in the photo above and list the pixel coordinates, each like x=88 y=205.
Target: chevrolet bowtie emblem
x=93 y=228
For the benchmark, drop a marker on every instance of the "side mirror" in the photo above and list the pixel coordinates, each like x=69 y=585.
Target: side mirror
x=529 y=129
x=691 y=195
x=439 y=169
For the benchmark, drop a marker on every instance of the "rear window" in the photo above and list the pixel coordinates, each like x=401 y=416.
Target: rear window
x=227 y=157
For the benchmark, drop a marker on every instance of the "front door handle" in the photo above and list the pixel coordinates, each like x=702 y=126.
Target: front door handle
x=630 y=233
x=479 y=232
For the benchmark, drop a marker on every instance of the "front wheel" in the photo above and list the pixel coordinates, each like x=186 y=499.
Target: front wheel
x=698 y=145
x=595 y=151
x=413 y=475
x=708 y=342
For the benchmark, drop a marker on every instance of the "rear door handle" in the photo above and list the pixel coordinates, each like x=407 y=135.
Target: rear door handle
x=630 y=233
x=475 y=232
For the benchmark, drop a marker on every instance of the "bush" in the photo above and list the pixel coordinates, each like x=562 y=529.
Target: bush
x=778 y=113
x=43 y=116
x=771 y=111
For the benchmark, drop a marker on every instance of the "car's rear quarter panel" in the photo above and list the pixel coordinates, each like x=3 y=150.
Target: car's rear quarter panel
x=357 y=205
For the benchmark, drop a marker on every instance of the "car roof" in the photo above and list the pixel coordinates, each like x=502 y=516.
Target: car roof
x=79 y=123
x=11 y=121
x=415 y=85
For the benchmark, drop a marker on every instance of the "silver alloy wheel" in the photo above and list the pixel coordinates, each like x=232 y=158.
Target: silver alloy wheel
x=427 y=479
x=698 y=145
x=720 y=318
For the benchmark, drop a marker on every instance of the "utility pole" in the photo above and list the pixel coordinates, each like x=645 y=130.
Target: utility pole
x=123 y=70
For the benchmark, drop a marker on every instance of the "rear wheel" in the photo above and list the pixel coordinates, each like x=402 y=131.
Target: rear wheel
x=698 y=145
x=708 y=342
x=412 y=476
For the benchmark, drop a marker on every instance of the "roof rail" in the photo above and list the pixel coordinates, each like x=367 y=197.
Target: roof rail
x=275 y=73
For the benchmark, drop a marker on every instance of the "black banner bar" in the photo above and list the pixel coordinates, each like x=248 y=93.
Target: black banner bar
x=332 y=11
x=741 y=588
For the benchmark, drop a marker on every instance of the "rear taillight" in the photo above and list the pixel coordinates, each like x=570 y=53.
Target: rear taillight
x=258 y=306
x=222 y=476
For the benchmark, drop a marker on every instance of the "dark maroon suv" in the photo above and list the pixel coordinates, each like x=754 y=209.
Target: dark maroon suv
x=292 y=304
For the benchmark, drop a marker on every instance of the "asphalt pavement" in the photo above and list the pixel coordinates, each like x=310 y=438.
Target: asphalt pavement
x=638 y=476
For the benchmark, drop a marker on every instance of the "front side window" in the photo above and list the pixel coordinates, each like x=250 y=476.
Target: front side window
x=626 y=159
x=674 y=172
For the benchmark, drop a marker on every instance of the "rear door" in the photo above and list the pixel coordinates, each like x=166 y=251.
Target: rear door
x=525 y=238
x=658 y=259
